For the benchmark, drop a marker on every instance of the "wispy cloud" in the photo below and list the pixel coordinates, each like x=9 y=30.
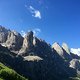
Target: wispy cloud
x=76 y=51
x=23 y=33
x=35 y=13
x=36 y=31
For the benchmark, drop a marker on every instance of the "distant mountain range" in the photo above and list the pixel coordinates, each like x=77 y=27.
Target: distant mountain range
x=37 y=60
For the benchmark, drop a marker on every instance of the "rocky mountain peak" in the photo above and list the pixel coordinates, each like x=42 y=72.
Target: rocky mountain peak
x=66 y=48
x=14 y=40
x=16 y=33
x=3 y=29
x=58 y=49
x=28 y=40
x=27 y=44
x=55 y=44
x=11 y=39
x=36 y=41
x=3 y=34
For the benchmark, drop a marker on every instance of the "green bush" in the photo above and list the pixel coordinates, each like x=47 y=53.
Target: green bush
x=1 y=79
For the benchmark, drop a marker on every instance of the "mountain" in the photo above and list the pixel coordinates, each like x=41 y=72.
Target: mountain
x=66 y=48
x=11 y=39
x=35 y=59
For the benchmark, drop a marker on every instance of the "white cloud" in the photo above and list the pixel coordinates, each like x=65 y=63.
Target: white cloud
x=35 y=13
x=76 y=51
x=31 y=8
x=23 y=33
x=36 y=31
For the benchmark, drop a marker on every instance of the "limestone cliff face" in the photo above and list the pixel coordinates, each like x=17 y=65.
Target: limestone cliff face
x=27 y=44
x=11 y=39
x=3 y=34
x=58 y=49
x=28 y=40
x=63 y=51
x=41 y=48
x=66 y=48
x=14 y=41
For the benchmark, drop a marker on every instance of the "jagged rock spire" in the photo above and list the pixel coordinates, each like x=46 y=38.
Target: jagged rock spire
x=66 y=48
x=58 y=49
x=3 y=34
x=14 y=40
x=11 y=39
x=27 y=44
x=28 y=40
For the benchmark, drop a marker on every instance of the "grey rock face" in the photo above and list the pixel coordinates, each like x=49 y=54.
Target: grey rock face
x=32 y=58
x=28 y=40
x=41 y=48
x=36 y=41
x=62 y=51
x=58 y=49
x=3 y=34
x=75 y=64
x=14 y=40
x=66 y=48
x=11 y=39
x=27 y=44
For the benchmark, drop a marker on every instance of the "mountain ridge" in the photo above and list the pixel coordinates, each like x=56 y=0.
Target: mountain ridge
x=36 y=59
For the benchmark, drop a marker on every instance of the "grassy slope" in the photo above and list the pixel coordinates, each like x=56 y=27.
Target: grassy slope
x=9 y=74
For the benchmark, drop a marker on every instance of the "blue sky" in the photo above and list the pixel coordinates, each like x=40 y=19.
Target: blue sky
x=53 y=20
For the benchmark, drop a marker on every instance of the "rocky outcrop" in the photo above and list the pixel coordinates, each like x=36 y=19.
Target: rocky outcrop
x=28 y=40
x=3 y=34
x=75 y=64
x=66 y=48
x=27 y=46
x=14 y=41
x=32 y=58
x=63 y=51
x=11 y=39
x=58 y=49
x=41 y=48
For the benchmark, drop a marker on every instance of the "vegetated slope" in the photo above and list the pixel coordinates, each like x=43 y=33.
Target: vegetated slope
x=9 y=74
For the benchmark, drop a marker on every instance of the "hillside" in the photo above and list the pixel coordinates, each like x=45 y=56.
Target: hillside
x=9 y=74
